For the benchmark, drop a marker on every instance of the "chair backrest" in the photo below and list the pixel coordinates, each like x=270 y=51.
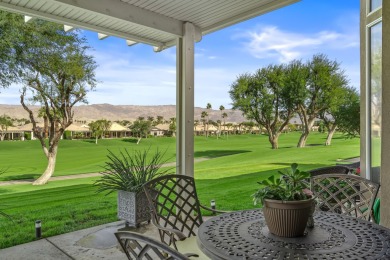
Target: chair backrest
x=140 y=247
x=174 y=204
x=337 y=169
x=345 y=194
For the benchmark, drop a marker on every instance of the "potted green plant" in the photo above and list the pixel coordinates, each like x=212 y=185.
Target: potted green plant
x=127 y=173
x=287 y=202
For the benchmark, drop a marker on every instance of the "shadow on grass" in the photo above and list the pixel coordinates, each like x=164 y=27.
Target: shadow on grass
x=218 y=153
x=19 y=177
x=3 y=190
x=90 y=141
x=129 y=140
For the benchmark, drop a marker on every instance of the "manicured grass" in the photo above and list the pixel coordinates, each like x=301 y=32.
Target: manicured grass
x=25 y=160
x=229 y=176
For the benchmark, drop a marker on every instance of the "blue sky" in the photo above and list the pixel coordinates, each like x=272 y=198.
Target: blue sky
x=138 y=76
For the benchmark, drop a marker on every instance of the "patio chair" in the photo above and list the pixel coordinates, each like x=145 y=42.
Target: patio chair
x=337 y=169
x=345 y=194
x=139 y=247
x=176 y=209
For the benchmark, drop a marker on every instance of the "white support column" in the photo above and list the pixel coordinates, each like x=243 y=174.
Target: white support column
x=185 y=101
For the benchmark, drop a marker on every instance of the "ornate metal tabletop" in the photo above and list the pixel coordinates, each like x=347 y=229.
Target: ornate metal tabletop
x=244 y=235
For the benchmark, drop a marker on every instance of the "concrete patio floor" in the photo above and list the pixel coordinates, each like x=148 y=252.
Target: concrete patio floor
x=93 y=243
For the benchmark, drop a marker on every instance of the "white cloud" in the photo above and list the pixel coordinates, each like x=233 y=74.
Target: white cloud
x=271 y=42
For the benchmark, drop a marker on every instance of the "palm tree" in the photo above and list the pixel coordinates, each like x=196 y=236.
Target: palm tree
x=172 y=126
x=224 y=115
x=228 y=125
x=203 y=116
x=208 y=107
x=221 y=108
x=196 y=123
x=159 y=120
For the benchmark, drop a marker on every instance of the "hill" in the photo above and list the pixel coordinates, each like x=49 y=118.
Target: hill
x=123 y=112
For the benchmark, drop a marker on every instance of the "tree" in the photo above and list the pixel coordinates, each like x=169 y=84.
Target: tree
x=265 y=98
x=99 y=128
x=5 y=122
x=42 y=114
x=331 y=116
x=159 y=120
x=172 y=126
x=196 y=123
x=140 y=128
x=204 y=115
x=224 y=115
x=151 y=118
x=348 y=114
x=228 y=126
x=319 y=85
x=208 y=107
x=221 y=108
x=56 y=72
x=8 y=65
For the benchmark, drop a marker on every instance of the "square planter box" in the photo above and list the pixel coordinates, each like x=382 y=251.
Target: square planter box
x=133 y=207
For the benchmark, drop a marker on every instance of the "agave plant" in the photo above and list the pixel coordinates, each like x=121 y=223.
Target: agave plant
x=129 y=172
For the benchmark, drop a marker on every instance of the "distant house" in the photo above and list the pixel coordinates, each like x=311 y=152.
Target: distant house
x=159 y=130
x=79 y=131
x=13 y=133
x=117 y=131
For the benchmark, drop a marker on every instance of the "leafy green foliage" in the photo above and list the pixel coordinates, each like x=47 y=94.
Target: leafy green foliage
x=291 y=185
x=130 y=172
x=140 y=128
x=99 y=127
x=348 y=114
x=266 y=98
x=5 y=122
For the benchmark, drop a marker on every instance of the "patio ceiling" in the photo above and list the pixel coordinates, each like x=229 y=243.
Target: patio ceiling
x=155 y=22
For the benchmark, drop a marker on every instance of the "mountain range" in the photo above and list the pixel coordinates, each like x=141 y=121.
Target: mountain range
x=124 y=112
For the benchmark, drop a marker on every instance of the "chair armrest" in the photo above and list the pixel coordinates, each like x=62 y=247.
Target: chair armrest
x=213 y=210
x=176 y=232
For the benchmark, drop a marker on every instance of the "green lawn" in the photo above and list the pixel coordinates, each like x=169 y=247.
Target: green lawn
x=229 y=176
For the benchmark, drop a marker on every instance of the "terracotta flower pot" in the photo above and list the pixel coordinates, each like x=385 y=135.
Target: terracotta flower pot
x=287 y=218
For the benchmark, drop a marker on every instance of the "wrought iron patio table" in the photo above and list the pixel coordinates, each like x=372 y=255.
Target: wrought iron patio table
x=244 y=235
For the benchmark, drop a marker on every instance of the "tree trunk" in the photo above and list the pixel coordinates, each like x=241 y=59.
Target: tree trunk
x=274 y=141
x=96 y=138
x=51 y=164
x=139 y=139
x=2 y=136
x=302 y=139
x=331 y=131
x=305 y=134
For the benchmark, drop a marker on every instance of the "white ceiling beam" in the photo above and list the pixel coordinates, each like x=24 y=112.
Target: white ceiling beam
x=129 y=13
x=130 y=43
x=68 y=28
x=197 y=36
x=77 y=24
x=102 y=36
x=270 y=6
x=28 y=18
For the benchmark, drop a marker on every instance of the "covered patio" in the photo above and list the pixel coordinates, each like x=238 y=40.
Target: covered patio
x=164 y=24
